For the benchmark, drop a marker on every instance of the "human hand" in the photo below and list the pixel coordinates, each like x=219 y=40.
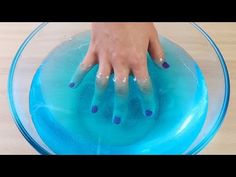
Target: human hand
x=121 y=48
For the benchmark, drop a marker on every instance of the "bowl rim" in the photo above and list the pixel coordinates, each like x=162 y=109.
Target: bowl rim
x=43 y=151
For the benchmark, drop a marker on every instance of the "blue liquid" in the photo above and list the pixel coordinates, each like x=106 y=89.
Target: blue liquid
x=63 y=118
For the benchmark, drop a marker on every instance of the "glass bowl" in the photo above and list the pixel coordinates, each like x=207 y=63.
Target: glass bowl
x=192 y=38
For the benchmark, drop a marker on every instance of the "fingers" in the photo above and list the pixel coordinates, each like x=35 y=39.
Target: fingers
x=121 y=94
x=102 y=79
x=87 y=64
x=145 y=86
x=156 y=52
x=147 y=98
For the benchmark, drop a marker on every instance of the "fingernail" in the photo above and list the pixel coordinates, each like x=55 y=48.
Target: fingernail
x=117 y=120
x=72 y=84
x=94 y=109
x=148 y=113
x=165 y=65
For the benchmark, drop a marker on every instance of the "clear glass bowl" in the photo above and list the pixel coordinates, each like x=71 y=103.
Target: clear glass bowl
x=188 y=35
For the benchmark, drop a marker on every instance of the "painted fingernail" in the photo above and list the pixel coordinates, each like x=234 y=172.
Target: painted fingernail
x=165 y=65
x=72 y=84
x=94 y=109
x=148 y=113
x=117 y=120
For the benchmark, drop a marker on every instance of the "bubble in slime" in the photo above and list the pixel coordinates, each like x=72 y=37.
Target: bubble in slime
x=63 y=119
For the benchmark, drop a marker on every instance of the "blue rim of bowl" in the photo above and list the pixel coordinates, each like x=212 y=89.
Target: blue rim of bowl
x=195 y=150
x=225 y=104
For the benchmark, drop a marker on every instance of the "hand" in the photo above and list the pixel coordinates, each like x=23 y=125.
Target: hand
x=121 y=48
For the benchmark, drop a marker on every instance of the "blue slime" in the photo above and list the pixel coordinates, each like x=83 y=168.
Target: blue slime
x=64 y=121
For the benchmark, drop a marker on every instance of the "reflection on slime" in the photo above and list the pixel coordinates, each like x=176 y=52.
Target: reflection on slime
x=63 y=118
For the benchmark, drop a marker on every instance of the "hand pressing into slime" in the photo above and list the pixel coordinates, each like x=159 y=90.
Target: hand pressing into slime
x=121 y=48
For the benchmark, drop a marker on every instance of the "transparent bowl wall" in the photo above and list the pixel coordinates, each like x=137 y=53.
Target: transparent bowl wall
x=48 y=35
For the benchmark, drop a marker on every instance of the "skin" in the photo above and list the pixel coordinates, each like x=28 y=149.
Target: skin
x=121 y=48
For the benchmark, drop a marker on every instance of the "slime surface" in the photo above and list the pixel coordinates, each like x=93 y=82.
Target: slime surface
x=63 y=119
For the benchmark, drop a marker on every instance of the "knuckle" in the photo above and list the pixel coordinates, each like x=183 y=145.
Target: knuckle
x=138 y=61
x=119 y=58
x=136 y=64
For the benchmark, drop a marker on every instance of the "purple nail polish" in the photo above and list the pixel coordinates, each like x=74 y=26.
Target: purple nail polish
x=72 y=84
x=165 y=65
x=94 y=109
x=117 y=120
x=148 y=113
